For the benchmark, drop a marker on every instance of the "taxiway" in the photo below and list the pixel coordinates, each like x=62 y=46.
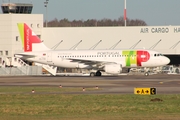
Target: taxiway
x=123 y=84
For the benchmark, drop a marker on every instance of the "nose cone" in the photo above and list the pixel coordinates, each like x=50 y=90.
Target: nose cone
x=166 y=60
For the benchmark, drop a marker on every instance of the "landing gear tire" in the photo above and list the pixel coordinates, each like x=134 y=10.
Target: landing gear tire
x=146 y=73
x=92 y=74
x=98 y=73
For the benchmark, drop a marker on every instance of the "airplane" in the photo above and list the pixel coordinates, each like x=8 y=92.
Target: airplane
x=108 y=61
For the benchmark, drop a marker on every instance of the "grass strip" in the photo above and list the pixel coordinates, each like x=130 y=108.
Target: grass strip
x=20 y=106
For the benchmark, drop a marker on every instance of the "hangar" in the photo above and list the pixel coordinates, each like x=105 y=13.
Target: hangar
x=164 y=39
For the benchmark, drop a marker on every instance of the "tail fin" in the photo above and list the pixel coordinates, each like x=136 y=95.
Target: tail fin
x=30 y=41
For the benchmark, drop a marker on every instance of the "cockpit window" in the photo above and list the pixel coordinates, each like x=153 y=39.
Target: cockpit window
x=159 y=54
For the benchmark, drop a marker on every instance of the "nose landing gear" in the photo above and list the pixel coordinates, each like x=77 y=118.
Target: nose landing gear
x=146 y=73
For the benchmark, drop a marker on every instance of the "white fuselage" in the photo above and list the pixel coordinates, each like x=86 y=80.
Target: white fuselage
x=91 y=58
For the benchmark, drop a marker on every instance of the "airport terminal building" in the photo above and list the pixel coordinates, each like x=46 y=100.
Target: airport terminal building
x=164 y=39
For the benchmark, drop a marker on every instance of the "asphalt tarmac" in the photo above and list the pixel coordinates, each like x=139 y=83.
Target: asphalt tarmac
x=123 y=84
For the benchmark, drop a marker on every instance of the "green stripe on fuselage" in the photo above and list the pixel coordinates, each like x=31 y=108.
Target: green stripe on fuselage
x=130 y=57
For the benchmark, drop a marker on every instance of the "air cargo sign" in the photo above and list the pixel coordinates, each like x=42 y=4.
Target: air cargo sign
x=160 y=30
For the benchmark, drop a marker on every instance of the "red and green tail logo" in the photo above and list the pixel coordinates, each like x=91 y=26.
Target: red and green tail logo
x=27 y=36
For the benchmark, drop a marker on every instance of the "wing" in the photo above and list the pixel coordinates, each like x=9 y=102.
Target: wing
x=92 y=62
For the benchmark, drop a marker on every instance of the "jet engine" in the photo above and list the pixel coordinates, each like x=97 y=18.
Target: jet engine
x=113 y=68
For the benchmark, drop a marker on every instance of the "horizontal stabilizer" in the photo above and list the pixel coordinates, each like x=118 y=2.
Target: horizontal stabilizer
x=24 y=56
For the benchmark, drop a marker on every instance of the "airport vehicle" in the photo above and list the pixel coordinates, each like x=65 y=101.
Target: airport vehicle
x=109 y=61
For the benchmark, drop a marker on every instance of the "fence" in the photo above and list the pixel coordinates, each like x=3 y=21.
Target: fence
x=24 y=70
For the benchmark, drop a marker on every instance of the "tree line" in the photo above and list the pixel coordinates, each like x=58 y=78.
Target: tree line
x=93 y=22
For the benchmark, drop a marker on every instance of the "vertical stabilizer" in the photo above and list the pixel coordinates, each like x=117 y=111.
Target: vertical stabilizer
x=30 y=41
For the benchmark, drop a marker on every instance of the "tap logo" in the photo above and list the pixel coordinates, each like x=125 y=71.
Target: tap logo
x=28 y=37
x=135 y=58
x=27 y=43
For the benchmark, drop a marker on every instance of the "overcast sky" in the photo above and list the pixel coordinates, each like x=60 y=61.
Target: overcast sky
x=153 y=12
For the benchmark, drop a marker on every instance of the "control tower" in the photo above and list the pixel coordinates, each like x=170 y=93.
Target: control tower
x=16 y=8
x=10 y=40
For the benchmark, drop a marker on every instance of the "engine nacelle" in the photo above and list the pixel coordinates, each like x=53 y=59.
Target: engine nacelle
x=113 y=68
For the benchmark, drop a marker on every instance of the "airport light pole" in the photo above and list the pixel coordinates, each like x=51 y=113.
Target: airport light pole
x=125 y=13
x=46 y=5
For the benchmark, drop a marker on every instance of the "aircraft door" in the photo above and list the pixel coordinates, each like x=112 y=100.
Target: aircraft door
x=49 y=57
x=145 y=56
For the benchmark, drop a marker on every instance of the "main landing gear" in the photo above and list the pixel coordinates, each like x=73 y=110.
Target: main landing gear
x=98 y=73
